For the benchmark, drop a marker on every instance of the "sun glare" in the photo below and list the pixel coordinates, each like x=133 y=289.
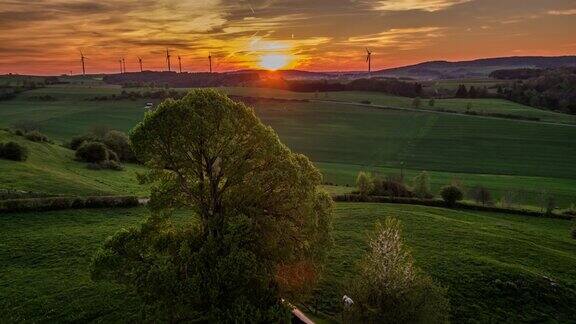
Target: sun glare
x=274 y=62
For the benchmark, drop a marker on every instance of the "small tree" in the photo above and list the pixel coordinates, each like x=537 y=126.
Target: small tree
x=92 y=152
x=421 y=185
x=481 y=195
x=431 y=102
x=417 y=102
x=14 y=151
x=550 y=204
x=469 y=107
x=507 y=199
x=451 y=194
x=574 y=230
x=389 y=287
x=364 y=183
x=36 y=136
x=462 y=92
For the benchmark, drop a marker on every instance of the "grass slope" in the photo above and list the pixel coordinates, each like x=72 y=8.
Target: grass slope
x=494 y=265
x=51 y=169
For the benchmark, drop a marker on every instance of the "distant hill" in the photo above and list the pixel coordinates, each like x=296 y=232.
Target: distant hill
x=480 y=68
x=432 y=70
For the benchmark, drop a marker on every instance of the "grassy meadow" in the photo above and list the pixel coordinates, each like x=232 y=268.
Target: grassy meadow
x=497 y=268
x=503 y=155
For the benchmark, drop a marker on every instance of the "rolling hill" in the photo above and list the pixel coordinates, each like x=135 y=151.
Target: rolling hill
x=51 y=169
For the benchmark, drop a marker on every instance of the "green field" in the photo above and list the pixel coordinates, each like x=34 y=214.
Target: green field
x=497 y=268
x=503 y=155
x=494 y=266
x=460 y=105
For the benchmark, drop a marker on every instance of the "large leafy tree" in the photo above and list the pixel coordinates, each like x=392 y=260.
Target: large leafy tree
x=255 y=227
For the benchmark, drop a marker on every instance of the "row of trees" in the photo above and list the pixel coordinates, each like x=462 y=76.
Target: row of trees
x=471 y=92
x=394 y=186
x=553 y=89
x=389 y=86
x=146 y=94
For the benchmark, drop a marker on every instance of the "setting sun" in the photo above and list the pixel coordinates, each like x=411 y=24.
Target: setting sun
x=274 y=61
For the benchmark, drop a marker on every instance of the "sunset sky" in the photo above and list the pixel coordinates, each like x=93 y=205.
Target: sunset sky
x=45 y=36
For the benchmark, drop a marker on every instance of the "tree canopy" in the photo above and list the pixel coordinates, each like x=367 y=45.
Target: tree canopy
x=256 y=225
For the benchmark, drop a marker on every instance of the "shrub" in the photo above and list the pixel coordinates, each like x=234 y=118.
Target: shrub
x=574 y=231
x=14 y=151
x=36 y=136
x=112 y=165
x=421 y=185
x=451 y=194
x=119 y=143
x=417 y=102
x=77 y=141
x=391 y=186
x=431 y=102
x=93 y=152
x=59 y=203
x=364 y=183
x=390 y=288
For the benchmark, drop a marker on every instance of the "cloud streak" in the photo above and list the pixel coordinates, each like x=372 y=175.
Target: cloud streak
x=425 y=5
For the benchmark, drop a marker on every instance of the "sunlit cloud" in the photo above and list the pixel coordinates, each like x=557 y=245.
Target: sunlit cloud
x=401 y=38
x=568 y=12
x=426 y=5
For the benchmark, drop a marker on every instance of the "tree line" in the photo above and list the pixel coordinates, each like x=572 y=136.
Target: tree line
x=550 y=89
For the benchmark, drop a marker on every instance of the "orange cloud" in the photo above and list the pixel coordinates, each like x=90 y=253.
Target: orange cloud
x=426 y=5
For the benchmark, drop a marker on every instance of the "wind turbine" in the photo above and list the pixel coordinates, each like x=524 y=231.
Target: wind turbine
x=82 y=59
x=180 y=63
x=121 y=67
x=369 y=59
x=168 y=59
x=210 y=60
x=140 y=62
x=124 y=64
